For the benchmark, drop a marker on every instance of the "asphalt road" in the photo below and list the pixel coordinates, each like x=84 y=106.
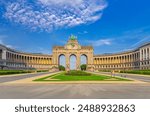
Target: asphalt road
x=75 y=91
x=18 y=77
x=144 y=78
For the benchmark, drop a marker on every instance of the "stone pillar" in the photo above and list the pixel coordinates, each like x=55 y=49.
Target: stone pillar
x=146 y=54
x=149 y=53
x=141 y=57
x=67 y=62
x=78 y=61
x=55 y=61
x=3 y=54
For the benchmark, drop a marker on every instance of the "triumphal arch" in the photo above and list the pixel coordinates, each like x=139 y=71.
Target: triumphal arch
x=73 y=48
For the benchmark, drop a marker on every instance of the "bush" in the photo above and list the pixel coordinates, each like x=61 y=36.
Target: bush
x=8 y=72
x=42 y=70
x=83 y=67
x=144 y=72
x=61 y=68
x=77 y=73
x=104 y=70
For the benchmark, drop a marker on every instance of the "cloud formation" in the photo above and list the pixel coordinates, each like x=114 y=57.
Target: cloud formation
x=47 y=15
x=100 y=42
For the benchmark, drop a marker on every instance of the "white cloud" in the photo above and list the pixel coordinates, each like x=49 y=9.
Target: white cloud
x=9 y=46
x=101 y=42
x=47 y=15
x=61 y=2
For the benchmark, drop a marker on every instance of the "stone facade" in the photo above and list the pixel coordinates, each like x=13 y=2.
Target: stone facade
x=73 y=48
x=129 y=60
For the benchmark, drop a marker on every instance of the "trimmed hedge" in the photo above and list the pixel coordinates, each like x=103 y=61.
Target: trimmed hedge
x=143 y=72
x=104 y=70
x=8 y=72
x=77 y=73
x=42 y=70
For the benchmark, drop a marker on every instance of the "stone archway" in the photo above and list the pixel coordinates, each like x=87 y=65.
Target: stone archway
x=72 y=62
x=72 y=47
x=62 y=60
x=83 y=59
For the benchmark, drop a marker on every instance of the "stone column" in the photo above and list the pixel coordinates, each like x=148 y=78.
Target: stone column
x=4 y=56
x=78 y=62
x=54 y=61
x=146 y=54
x=149 y=52
x=67 y=62
x=140 y=57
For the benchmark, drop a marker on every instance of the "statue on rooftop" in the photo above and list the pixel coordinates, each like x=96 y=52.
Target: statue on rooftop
x=72 y=37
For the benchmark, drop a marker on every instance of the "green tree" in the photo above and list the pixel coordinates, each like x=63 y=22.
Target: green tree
x=61 y=68
x=2 y=67
x=83 y=67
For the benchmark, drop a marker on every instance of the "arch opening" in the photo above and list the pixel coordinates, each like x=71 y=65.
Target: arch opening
x=73 y=62
x=83 y=59
x=62 y=60
x=83 y=62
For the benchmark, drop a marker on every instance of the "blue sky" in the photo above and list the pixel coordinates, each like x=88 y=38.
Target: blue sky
x=109 y=25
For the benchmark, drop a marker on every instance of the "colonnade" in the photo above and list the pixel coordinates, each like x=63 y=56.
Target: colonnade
x=145 y=57
x=118 y=61
x=145 y=54
x=28 y=61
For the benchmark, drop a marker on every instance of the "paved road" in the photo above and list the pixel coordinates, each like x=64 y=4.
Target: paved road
x=72 y=91
x=144 y=78
x=18 y=77
x=68 y=91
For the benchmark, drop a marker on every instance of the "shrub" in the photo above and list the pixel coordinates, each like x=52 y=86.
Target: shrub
x=83 y=67
x=42 y=70
x=77 y=73
x=61 y=68
x=7 y=72
x=144 y=72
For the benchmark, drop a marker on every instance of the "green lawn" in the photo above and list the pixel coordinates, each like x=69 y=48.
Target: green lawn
x=92 y=77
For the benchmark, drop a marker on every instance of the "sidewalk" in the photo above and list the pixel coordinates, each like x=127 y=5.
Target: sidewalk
x=12 y=75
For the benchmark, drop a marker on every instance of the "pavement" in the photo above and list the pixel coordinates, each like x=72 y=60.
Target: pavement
x=144 y=78
x=22 y=87
x=9 y=78
x=75 y=91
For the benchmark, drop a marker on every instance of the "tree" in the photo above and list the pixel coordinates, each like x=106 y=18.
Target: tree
x=83 y=67
x=61 y=68
x=2 y=67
